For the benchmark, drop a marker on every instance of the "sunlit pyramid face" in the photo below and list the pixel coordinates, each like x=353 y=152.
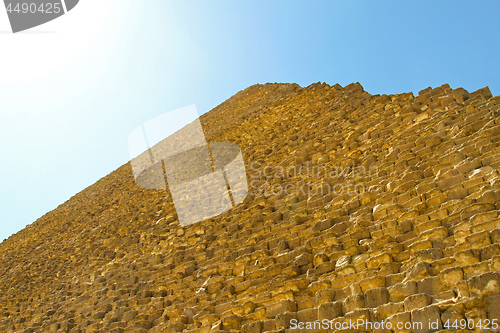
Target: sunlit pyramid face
x=26 y=14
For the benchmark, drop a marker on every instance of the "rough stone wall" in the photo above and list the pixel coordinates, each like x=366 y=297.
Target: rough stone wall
x=392 y=214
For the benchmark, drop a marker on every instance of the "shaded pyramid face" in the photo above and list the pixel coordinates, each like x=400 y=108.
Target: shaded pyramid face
x=25 y=15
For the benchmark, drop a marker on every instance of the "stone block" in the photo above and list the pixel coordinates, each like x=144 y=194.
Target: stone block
x=274 y=309
x=451 y=315
x=419 y=271
x=478 y=240
x=485 y=285
x=467 y=257
x=129 y=315
x=431 y=285
x=460 y=95
x=353 y=302
x=330 y=310
x=475 y=270
x=429 y=317
x=303 y=259
x=282 y=320
x=400 y=291
x=493 y=306
x=269 y=325
x=307 y=315
x=451 y=276
x=488 y=252
x=378 y=260
x=375 y=297
x=483 y=92
x=253 y=327
x=372 y=282
x=324 y=296
x=322 y=225
x=400 y=322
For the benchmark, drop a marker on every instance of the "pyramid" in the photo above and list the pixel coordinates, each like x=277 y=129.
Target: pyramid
x=365 y=213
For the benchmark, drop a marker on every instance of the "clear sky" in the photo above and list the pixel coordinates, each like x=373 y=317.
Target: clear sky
x=73 y=89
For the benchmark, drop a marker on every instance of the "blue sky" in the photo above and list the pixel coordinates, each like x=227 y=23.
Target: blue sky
x=73 y=89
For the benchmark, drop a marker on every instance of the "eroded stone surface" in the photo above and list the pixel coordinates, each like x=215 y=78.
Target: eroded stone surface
x=420 y=241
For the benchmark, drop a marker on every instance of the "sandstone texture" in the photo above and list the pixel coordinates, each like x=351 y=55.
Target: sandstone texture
x=360 y=207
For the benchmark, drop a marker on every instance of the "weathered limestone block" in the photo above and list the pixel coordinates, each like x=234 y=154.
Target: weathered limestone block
x=485 y=285
x=359 y=262
x=291 y=271
x=323 y=268
x=345 y=270
x=446 y=181
x=476 y=269
x=378 y=260
x=431 y=285
x=307 y=315
x=388 y=309
x=258 y=314
x=353 y=302
x=131 y=314
x=324 y=296
x=253 y=327
x=438 y=233
x=373 y=282
x=274 y=309
x=495 y=235
x=316 y=286
x=419 y=271
x=297 y=284
x=330 y=310
x=323 y=225
x=282 y=321
x=466 y=257
x=453 y=314
x=269 y=325
x=460 y=95
x=423 y=244
x=451 y=276
x=399 y=320
x=426 y=225
x=416 y=301
x=493 y=306
x=486 y=226
x=428 y=316
x=304 y=303
x=490 y=251
x=320 y=258
x=476 y=315
x=231 y=322
x=303 y=259
x=284 y=295
x=478 y=240
x=208 y=319
x=376 y=296
x=428 y=255
x=483 y=92
x=392 y=279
